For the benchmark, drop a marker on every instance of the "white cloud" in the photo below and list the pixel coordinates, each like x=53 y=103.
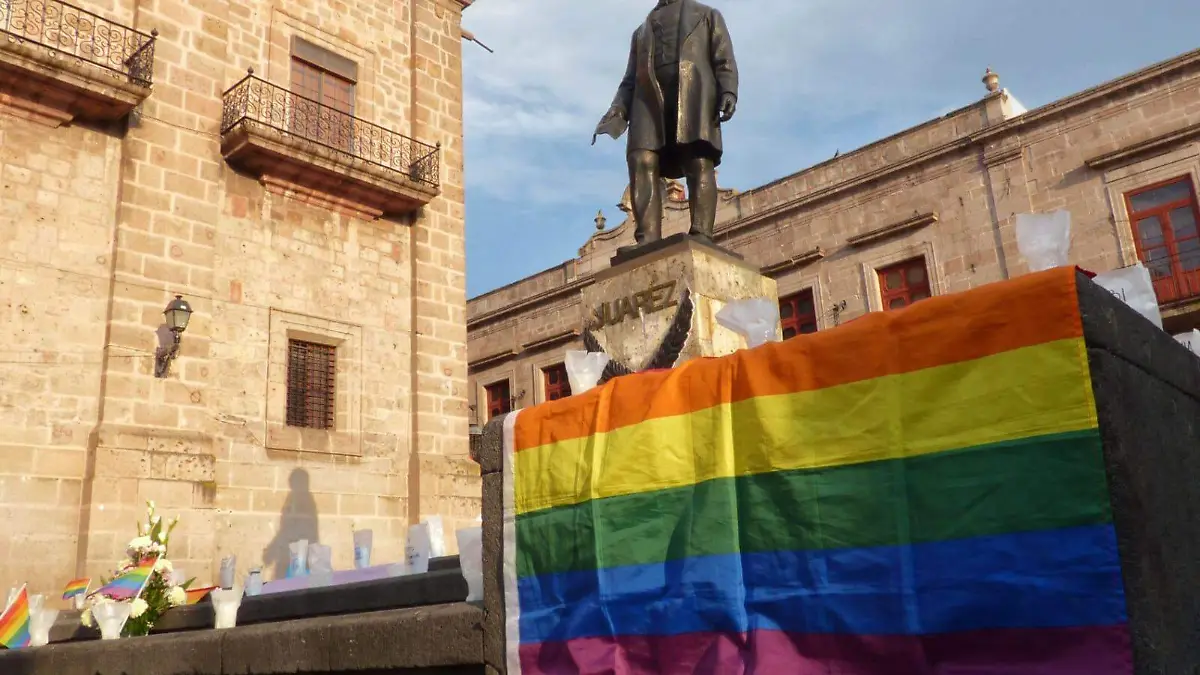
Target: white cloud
x=806 y=67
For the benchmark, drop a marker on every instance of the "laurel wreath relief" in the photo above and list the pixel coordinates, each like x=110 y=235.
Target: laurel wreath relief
x=668 y=350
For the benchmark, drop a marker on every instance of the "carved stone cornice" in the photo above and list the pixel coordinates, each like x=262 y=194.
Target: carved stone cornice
x=1151 y=146
x=908 y=224
x=808 y=257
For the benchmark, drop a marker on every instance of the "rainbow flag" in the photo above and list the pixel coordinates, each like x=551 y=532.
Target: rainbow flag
x=14 y=622
x=919 y=491
x=195 y=595
x=130 y=584
x=76 y=587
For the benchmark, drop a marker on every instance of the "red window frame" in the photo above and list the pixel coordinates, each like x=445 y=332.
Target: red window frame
x=911 y=283
x=556 y=383
x=499 y=398
x=798 y=314
x=1170 y=248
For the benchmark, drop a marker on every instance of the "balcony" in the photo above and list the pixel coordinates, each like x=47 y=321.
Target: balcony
x=300 y=147
x=59 y=62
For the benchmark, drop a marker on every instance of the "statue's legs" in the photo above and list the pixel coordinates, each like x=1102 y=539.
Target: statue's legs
x=645 y=192
x=702 y=195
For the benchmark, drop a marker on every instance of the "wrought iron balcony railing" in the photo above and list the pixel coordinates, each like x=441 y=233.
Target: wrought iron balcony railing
x=1176 y=276
x=72 y=31
x=256 y=100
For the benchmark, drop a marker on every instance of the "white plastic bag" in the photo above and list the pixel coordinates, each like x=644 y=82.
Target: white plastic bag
x=470 y=558
x=1133 y=286
x=584 y=369
x=1190 y=340
x=298 y=559
x=416 y=549
x=437 y=536
x=1044 y=239
x=363 y=540
x=755 y=319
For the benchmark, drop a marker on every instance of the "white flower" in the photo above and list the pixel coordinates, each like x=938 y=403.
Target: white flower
x=138 y=608
x=162 y=536
x=163 y=565
x=155 y=520
x=139 y=543
x=150 y=504
x=176 y=596
x=86 y=617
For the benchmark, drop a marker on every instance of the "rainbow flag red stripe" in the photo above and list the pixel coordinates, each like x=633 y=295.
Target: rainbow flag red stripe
x=130 y=584
x=14 y=623
x=195 y=595
x=76 y=587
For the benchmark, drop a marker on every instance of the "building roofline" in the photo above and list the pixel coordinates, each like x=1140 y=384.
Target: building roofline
x=1033 y=116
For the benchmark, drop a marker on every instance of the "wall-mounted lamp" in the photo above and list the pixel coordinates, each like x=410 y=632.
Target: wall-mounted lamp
x=177 y=315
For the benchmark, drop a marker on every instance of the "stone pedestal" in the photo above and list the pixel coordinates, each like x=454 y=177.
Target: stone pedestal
x=657 y=308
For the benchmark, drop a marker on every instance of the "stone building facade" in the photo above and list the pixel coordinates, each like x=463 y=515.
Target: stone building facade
x=928 y=211
x=294 y=171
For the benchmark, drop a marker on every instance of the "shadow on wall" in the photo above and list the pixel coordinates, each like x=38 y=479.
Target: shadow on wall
x=297 y=521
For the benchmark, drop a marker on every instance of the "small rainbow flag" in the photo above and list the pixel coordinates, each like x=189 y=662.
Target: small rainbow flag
x=130 y=584
x=14 y=623
x=195 y=595
x=76 y=587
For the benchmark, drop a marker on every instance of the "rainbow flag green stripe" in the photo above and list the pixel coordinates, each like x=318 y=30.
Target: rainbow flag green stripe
x=1043 y=482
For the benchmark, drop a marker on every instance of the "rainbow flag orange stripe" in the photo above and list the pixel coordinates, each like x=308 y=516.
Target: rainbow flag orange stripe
x=76 y=587
x=14 y=623
x=130 y=584
x=195 y=595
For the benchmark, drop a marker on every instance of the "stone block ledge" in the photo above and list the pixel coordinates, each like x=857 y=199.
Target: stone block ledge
x=444 y=639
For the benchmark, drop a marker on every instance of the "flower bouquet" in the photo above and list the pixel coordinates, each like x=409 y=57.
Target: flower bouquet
x=145 y=580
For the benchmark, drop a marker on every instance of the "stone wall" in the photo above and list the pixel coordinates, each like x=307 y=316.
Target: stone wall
x=101 y=227
x=948 y=190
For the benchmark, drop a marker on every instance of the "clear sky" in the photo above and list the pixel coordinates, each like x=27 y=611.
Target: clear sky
x=817 y=76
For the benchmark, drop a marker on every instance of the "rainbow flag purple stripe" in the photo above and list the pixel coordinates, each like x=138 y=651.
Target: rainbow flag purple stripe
x=130 y=584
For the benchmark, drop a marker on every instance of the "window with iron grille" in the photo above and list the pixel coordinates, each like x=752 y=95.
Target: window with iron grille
x=499 y=400
x=798 y=314
x=902 y=284
x=311 y=380
x=1165 y=221
x=557 y=384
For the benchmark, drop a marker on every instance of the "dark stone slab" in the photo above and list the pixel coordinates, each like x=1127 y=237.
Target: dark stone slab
x=667 y=242
x=489 y=446
x=493 y=570
x=1113 y=326
x=433 y=636
x=445 y=639
x=414 y=590
x=1147 y=389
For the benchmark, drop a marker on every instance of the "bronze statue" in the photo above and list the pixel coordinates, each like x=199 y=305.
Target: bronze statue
x=680 y=85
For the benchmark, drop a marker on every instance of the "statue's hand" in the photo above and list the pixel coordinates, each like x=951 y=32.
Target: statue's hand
x=728 y=106
x=612 y=124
